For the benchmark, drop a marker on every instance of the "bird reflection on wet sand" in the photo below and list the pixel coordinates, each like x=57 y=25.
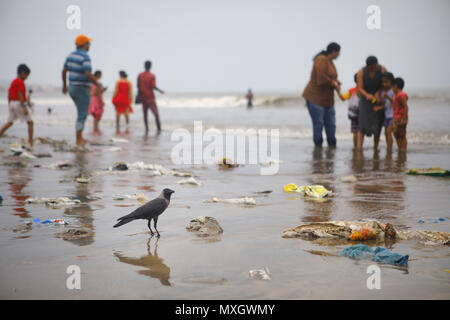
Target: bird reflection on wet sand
x=155 y=267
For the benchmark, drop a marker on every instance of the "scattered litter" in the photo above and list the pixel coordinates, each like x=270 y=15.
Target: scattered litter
x=43 y=155
x=137 y=196
x=227 y=163
x=314 y=191
x=243 y=200
x=433 y=171
x=51 y=221
x=431 y=220
x=335 y=230
x=54 y=202
x=83 y=179
x=118 y=140
x=260 y=274
x=120 y=167
x=389 y=231
x=363 y=234
x=115 y=149
x=205 y=226
x=155 y=169
x=62 y=145
x=190 y=180
x=61 y=165
x=351 y=178
x=381 y=255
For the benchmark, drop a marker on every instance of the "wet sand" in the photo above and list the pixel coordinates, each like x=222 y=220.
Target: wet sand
x=126 y=263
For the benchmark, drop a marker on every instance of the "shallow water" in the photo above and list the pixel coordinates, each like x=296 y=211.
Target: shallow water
x=128 y=263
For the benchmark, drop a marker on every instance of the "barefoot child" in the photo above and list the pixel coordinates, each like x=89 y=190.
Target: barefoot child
x=18 y=104
x=353 y=105
x=400 y=119
x=386 y=97
x=96 y=104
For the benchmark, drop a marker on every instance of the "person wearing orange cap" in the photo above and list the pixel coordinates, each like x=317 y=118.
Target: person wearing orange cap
x=78 y=64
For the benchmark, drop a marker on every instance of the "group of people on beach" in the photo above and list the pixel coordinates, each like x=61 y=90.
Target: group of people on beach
x=86 y=92
x=377 y=101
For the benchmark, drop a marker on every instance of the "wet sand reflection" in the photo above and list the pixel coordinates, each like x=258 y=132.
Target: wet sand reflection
x=155 y=267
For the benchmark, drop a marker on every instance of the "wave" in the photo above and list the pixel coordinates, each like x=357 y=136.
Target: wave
x=229 y=101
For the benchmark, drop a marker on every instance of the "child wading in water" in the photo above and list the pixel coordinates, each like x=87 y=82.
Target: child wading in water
x=18 y=104
x=122 y=99
x=400 y=119
x=387 y=98
x=353 y=106
x=96 y=105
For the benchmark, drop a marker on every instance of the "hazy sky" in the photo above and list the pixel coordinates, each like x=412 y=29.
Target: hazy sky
x=220 y=46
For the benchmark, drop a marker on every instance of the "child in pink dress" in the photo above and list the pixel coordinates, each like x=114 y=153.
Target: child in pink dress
x=96 y=104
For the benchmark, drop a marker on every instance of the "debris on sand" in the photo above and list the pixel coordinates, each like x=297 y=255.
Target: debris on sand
x=74 y=233
x=114 y=149
x=82 y=179
x=119 y=140
x=343 y=230
x=381 y=255
x=191 y=181
x=227 y=163
x=54 y=202
x=137 y=196
x=60 y=165
x=313 y=191
x=205 y=226
x=155 y=169
x=260 y=274
x=243 y=200
x=433 y=171
x=19 y=152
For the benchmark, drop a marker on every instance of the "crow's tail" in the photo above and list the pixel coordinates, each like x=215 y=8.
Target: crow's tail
x=122 y=222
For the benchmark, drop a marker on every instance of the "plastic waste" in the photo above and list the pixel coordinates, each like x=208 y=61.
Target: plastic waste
x=389 y=231
x=115 y=149
x=243 y=200
x=54 y=202
x=61 y=165
x=51 y=221
x=381 y=255
x=314 y=191
x=227 y=163
x=431 y=220
x=260 y=274
x=433 y=171
x=191 y=181
x=363 y=234
x=137 y=196
x=118 y=140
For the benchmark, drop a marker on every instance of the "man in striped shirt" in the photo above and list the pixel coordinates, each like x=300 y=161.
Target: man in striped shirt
x=78 y=64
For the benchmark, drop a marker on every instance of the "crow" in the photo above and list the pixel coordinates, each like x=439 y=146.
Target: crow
x=150 y=210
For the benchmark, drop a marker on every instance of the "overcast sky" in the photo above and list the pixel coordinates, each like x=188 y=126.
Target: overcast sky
x=228 y=46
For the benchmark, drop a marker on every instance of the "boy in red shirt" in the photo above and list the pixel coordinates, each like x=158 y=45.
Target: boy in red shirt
x=17 y=102
x=400 y=119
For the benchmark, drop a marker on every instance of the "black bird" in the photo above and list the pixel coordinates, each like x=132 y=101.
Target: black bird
x=150 y=210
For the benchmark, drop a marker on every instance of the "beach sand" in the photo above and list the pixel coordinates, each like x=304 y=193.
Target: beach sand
x=122 y=263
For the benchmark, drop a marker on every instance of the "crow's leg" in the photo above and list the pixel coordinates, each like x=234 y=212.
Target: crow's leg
x=155 y=221
x=151 y=231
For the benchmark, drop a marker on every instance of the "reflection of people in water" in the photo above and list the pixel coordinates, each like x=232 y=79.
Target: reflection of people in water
x=19 y=178
x=249 y=97
x=320 y=210
x=155 y=267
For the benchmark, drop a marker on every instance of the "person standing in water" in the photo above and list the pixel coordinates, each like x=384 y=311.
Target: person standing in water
x=319 y=94
x=96 y=106
x=146 y=83
x=369 y=84
x=249 y=97
x=78 y=64
x=122 y=100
